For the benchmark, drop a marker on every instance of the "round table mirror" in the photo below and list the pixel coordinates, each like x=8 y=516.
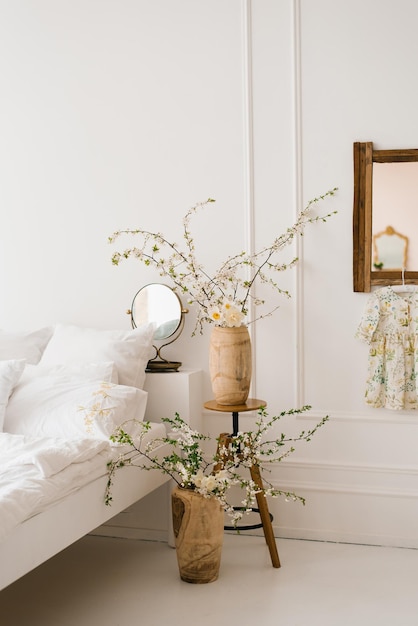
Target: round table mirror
x=159 y=304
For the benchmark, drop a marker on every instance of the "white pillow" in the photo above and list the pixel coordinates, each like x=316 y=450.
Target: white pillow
x=129 y=350
x=24 y=345
x=56 y=406
x=10 y=372
x=89 y=371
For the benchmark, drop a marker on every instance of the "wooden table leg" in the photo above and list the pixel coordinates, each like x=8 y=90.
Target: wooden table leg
x=224 y=440
x=265 y=516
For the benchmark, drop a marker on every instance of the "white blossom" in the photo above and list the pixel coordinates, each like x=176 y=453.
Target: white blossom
x=211 y=477
x=232 y=316
x=225 y=296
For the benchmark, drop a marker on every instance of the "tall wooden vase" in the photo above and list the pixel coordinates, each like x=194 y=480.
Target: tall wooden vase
x=230 y=364
x=198 y=525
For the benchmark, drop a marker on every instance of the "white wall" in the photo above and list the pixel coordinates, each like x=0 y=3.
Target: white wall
x=121 y=113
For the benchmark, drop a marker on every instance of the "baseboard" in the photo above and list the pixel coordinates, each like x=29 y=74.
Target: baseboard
x=280 y=532
x=138 y=534
x=331 y=536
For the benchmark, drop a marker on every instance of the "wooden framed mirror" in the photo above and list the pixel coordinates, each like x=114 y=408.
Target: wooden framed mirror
x=366 y=273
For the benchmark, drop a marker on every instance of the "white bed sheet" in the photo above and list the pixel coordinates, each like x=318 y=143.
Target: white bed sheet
x=36 y=473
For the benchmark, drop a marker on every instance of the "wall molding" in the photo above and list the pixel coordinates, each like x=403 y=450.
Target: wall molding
x=371 y=479
x=352 y=467
x=344 y=489
x=299 y=373
x=347 y=416
x=384 y=417
x=248 y=146
x=297 y=104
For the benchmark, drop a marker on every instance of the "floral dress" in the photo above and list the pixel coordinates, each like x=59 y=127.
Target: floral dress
x=389 y=325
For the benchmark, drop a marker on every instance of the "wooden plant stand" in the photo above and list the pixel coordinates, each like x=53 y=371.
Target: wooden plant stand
x=225 y=439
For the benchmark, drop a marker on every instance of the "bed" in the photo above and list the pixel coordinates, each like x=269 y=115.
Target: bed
x=63 y=390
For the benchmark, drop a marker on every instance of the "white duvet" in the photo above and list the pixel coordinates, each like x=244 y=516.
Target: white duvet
x=34 y=473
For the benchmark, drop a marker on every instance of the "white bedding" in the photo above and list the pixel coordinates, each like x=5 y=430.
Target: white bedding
x=38 y=472
x=34 y=473
x=56 y=419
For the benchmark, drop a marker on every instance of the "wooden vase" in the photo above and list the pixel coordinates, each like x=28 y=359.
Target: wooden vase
x=198 y=525
x=230 y=364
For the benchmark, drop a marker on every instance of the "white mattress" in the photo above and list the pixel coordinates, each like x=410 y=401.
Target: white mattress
x=36 y=473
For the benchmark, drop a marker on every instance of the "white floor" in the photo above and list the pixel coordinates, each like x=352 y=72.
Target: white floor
x=115 y=582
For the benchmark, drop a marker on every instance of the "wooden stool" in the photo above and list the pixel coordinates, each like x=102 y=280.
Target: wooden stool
x=252 y=404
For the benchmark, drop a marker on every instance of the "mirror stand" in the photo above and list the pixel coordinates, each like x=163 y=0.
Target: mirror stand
x=160 y=305
x=158 y=363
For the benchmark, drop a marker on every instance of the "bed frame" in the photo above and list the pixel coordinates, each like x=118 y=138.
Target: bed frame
x=44 y=535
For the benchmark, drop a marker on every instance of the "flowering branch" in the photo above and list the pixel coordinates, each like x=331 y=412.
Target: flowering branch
x=223 y=298
x=230 y=466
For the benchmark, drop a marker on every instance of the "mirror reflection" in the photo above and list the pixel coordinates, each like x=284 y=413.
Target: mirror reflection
x=390 y=250
x=160 y=305
x=395 y=204
x=157 y=304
